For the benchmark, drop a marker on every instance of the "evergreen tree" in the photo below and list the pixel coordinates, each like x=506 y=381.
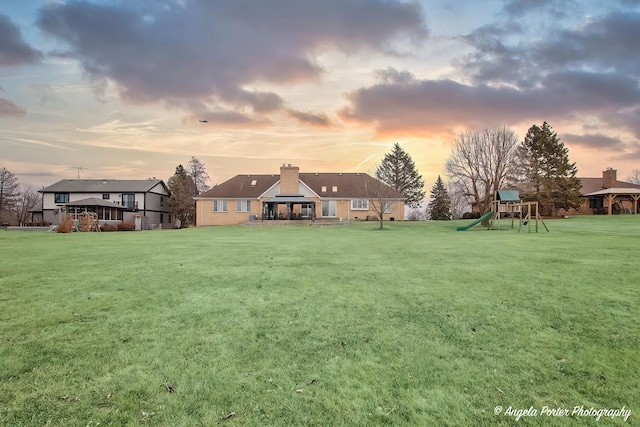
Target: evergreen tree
x=399 y=172
x=183 y=190
x=440 y=206
x=544 y=171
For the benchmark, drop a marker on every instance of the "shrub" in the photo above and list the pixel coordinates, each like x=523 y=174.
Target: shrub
x=66 y=225
x=108 y=227
x=126 y=226
x=471 y=215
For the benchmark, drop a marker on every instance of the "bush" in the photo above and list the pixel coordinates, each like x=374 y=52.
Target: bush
x=66 y=225
x=471 y=215
x=108 y=227
x=126 y=226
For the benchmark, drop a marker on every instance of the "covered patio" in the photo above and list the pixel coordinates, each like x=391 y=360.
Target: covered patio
x=296 y=206
x=106 y=211
x=614 y=200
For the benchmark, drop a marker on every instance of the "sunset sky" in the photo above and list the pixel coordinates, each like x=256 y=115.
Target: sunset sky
x=118 y=87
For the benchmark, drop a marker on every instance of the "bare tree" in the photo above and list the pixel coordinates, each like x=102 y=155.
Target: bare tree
x=379 y=196
x=417 y=214
x=197 y=172
x=635 y=177
x=480 y=162
x=459 y=202
x=28 y=199
x=9 y=194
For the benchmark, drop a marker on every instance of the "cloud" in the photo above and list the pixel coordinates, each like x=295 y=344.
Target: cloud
x=201 y=49
x=516 y=73
x=9 y=109
x=421 y=105
x=594 y=141
x=320 y=120
x=13 y=50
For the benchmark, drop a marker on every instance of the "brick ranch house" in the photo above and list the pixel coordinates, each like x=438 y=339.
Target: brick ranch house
x=293 y=196
x=607 y=195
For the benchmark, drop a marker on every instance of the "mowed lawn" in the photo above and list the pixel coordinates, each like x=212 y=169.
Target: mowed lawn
x=417 y=324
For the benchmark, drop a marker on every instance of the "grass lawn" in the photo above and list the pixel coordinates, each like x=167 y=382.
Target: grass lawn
x=417 y=324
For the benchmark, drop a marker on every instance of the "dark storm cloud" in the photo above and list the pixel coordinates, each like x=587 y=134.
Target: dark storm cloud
x=9 y=109
x=13 y=50
x=199 y=48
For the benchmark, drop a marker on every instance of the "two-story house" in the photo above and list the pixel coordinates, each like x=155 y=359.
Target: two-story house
x=142 y=202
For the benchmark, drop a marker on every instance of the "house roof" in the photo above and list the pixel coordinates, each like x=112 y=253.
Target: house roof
x=591 y=185
x=94 y=201
x=240 y=187
x=347 y=185
x=103 y=186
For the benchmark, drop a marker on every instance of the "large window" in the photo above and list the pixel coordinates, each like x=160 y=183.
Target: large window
x=244 y=206
x=219 y=205
x=388 y=204
x=61 y=197
x=359 y=204
x=328 y=208
x=129 y=201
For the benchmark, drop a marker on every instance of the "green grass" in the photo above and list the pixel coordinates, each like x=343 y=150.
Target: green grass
x=417 y=324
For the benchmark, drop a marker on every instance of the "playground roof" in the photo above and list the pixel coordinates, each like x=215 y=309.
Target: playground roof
x=508 y=196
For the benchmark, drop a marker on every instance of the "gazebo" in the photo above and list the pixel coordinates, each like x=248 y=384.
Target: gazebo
x=609 y=198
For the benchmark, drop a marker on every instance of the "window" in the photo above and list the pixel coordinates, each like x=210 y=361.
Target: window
x=106 y=196
x=219 y=205
x=328 y=208
x=387 y=206
x=161 y=218
x=161 y=202
x=61 y=197
x=323 y=189
x=334 y=188
x=244 y=206
x=254 y=182
x=306 y=210
x=129 y=201
x=359 y=205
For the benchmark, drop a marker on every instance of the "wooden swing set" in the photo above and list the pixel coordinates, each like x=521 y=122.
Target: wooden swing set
x=507 y=205
x=88 y=221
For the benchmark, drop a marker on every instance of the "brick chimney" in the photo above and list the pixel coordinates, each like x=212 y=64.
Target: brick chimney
x=609 y=178
x=289 y=176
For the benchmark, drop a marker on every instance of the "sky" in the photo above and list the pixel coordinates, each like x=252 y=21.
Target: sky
x=125 y=89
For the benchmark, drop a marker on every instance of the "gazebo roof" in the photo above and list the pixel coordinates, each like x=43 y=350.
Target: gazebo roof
x=615 y=190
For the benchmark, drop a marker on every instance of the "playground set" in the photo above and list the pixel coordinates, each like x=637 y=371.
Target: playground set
x=506 y=204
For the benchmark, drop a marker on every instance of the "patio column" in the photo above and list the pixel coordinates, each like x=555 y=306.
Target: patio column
x=635 y=204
